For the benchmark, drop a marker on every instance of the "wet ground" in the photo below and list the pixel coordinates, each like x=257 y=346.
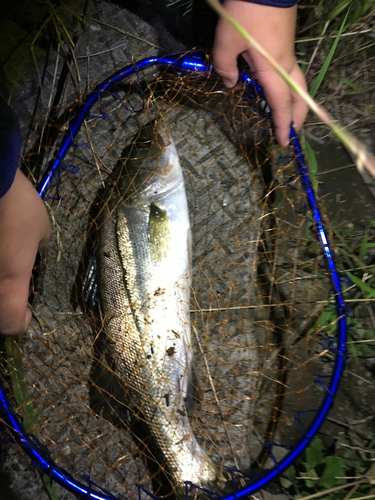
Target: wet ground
x=342 y=189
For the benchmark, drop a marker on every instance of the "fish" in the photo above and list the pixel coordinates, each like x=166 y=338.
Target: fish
x=143 y=274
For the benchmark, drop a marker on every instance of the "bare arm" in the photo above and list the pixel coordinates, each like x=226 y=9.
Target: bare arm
x=274 y=29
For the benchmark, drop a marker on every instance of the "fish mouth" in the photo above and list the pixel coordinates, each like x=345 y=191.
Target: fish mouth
x=163 y=134
x=165 y=176
x=169 y=167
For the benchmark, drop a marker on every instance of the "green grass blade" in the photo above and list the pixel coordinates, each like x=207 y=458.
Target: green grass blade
x=21 y=392
x=338 y=9
x=361 y=11
x=313 y=165
x=25 y=406
x=362 y=285
x=352 y=85
x=322 y=73
x=50 y=487
x=364 y=247
x=354 y=352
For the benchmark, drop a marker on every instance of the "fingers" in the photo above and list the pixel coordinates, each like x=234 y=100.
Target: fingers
x=300 y=107
x=39 y=225
x=228 y=45
x=279 y=98
x=225 y=61
x=287 y=107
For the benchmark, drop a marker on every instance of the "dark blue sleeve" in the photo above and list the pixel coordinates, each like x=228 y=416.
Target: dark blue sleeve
x=10 y=146
x=275 y=3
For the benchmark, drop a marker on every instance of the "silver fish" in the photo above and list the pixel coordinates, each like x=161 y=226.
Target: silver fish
x=143 y=267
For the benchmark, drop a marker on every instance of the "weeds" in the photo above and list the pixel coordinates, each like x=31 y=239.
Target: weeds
x=29 y=32
x=24 y=402
x=346 y=473
x=322 y=73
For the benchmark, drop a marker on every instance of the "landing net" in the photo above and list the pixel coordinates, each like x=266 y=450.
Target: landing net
x=262 y=274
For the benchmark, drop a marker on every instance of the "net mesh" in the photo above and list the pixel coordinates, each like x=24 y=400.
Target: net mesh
x=258 y=286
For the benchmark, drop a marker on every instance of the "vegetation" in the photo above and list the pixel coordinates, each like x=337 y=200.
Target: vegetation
x=344 y=72
x=343 y=474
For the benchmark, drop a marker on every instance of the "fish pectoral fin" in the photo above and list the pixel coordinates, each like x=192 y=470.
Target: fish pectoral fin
x=194 y=394
x=90 y=285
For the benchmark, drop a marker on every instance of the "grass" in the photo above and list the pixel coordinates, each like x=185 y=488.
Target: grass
x=48 y=23
x=25 y=405
x=337 y=474
x=312 y=163
x=351 y=71
x=322 y=73
x=353 y=250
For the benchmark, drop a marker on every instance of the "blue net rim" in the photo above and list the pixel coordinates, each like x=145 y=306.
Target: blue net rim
x=191 y=62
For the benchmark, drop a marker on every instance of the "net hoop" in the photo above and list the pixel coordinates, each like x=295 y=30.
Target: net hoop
x=193 y=62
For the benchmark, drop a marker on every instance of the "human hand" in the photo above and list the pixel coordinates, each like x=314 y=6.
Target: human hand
x=24 y=229
x=274 y=29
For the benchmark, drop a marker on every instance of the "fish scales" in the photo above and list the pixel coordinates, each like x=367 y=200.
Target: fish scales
x=144 y=260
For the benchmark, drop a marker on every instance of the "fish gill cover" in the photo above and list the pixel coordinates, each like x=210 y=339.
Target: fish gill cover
x=220 y=314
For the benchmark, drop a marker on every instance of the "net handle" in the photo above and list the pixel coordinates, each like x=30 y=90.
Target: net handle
x=195 y=62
